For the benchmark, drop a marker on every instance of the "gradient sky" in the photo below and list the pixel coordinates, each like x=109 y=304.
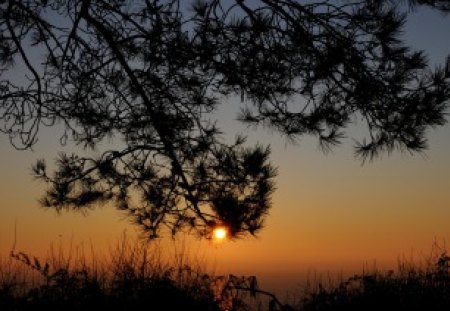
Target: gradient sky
x=330 y=212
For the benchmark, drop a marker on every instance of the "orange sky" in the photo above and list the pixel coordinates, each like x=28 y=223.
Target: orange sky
x=329 y=212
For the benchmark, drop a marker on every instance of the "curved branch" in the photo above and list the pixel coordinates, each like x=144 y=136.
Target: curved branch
x=158 y=127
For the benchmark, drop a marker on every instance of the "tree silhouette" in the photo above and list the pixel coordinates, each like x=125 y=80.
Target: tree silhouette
x=442 y=5
x=152 y=73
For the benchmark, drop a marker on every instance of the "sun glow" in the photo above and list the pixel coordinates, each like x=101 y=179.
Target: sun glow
x=220 y=233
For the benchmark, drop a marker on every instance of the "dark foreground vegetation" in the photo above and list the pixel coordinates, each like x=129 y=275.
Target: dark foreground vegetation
x=135 y=278
x=411 y=287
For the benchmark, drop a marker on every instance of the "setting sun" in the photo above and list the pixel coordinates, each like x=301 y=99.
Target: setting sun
x=220 y=233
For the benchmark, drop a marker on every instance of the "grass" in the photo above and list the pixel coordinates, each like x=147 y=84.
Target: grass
x=134 y=276
x=413 y=286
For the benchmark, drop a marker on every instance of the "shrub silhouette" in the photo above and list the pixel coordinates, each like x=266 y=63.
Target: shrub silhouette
x=134 y=280
x=410 y=288
x=130 y=280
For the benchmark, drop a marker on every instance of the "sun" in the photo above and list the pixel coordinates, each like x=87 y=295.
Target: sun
x=220 y=233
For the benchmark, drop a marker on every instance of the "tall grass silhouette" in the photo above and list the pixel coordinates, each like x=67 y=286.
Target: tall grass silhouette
x=135 y=277
x=413 y=285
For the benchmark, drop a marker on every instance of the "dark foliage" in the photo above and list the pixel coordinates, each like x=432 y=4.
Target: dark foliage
x=126 y=287
x=152 y=73
x=133 y=279
x=408 y=289
x=442 y=5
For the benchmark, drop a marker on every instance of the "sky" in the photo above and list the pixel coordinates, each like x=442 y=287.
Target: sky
x=330 y=213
